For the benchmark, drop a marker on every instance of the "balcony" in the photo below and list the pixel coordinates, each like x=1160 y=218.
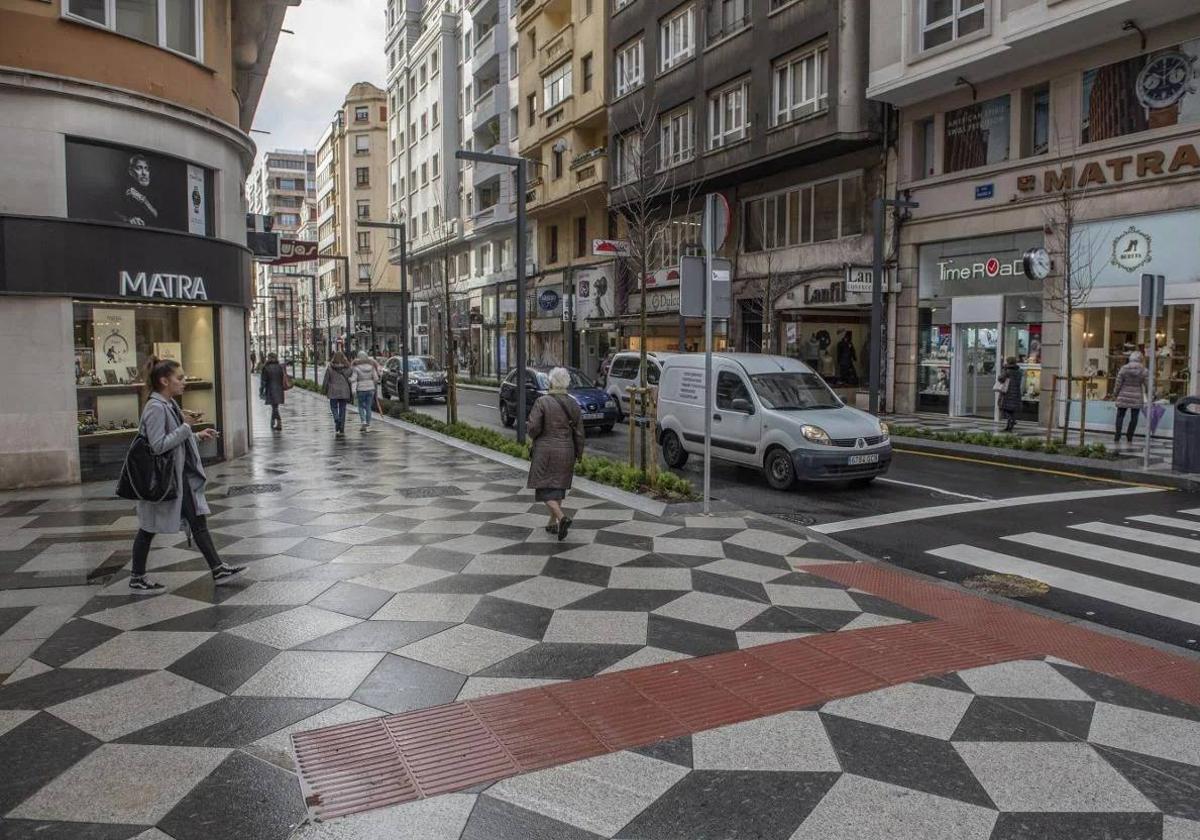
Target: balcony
x=590 y=169
x=485 y=108
x=557 y=48
x=484 y=58
x=535 y=193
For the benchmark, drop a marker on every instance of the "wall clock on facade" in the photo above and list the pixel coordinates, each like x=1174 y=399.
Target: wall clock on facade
x=1166 y=79
x=1036 y=262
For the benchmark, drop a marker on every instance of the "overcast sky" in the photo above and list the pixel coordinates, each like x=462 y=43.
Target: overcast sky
x=337 y=43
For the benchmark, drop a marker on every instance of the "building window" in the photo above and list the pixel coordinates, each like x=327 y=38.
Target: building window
x=514 y=66
x=628 y=150
x=364 y=273
x=531 y=108
x=1037 y=121
x=433 y=115
x=817 y=212
x=362 y=176
x=556 y=86
x=675 y=138
x=727 y=115
x=364 y=241
x=424 y=174
x=676 y=37
x=437 y=217
x=620 y=4
x=362 y=113
x=557 y=157
x=422 y=78
x=726 y=17
x=364 y=209
x=587 y=7
x=433 y=164
x=553 y=236
x=581 y=237
x=679 y=237
x=923 y=146
x=424 y=222
x=976 y=135
x=800 y=85
x=586 y=66
x=176 y=25
x=628 y=67
x=412 y=180
x=943 y=21
x=362 y=144
x=424 y=124
x=433 y=63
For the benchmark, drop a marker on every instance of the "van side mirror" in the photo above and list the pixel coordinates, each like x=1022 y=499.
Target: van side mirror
x=742 y=405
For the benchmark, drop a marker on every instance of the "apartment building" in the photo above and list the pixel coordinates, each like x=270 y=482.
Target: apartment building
x=563 y=59
x=1071 y=126
x=765 y=104
x=352 y=184
x=281 y=185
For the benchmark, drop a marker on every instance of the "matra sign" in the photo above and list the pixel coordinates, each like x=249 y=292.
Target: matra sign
x=170 y=286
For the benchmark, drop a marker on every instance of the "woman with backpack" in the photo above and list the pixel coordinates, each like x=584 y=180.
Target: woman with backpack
x=556 y=429
x=337 y=386
x=166 y=432
x=273 y=382
x=365 y=378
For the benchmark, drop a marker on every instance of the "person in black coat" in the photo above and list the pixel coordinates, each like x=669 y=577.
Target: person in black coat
x=271 y=387
x=1010 y=397
x=847 y=357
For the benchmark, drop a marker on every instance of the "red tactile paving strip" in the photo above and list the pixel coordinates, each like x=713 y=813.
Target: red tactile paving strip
x=365 y=765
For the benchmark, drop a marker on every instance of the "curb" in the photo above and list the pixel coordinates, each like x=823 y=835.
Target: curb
x=1039 y=460
x=485 y=389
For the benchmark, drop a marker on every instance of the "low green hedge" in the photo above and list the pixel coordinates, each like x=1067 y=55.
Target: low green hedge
x=1003 y=441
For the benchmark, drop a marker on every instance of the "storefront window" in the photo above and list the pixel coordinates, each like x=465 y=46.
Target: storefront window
x=934 y=357
x=1105 y=336
x=833 y=343
x=1023 y=342
x=112 y=343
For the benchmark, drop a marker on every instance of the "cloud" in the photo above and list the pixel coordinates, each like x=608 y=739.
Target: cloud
x=336 y=43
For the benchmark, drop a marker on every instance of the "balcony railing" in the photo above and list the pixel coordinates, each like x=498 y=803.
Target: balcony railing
x=557 y=48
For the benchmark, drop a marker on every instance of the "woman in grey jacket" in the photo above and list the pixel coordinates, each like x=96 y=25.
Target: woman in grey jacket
x=164 y=428
x=365 y=377
x=1130 y=393
x=338 y=387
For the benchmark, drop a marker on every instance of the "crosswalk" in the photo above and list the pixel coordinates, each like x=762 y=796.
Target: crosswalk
x=1149 y=563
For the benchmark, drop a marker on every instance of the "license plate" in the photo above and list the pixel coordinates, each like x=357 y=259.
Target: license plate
x=858 y=460
x=593 y=415
x=432 y=389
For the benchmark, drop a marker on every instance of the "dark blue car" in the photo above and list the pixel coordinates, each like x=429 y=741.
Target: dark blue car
x=598 y=408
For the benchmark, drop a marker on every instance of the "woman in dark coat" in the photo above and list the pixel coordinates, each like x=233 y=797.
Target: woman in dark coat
x=1010 y=397
x=556 y=429
x=271 y=388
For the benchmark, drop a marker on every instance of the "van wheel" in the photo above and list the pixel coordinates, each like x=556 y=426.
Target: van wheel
x=673 y=452
x=779 y=469
x=506 y=418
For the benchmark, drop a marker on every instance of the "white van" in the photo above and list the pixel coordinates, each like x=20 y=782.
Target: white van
x=623 y=373
x=772 y=412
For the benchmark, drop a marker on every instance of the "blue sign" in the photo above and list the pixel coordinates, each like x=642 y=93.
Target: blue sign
x=985 y=191
x=548 y=300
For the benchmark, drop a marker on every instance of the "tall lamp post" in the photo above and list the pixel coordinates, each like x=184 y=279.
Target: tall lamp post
x=876 y=374
x=398 y=228
x=277 y=289
x=517 y=163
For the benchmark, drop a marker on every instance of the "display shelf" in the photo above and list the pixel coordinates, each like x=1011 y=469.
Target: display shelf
x=135 y=387
x=935 y=363
x=103 y=436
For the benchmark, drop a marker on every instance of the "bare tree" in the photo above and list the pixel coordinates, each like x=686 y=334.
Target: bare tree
x=765 y=286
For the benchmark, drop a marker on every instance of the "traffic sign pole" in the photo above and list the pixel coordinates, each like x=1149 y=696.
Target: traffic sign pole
x=710 y=207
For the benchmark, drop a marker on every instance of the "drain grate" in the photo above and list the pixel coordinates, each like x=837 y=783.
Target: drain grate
x=795 y=518
x=252 y=490
x=432 y=492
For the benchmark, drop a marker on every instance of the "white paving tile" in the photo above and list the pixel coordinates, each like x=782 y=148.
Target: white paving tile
x=389 y=554
x=135 y=704
x=643 y=657
x=400 y=578
x=689 y=547
x=140 y=650
x=597 y=627
x=150 y=610
x=634 y=577
x=767 y=541
x=476 y=687
x=1022 y=678
x=714 y=610
x=744 y=571
x=550 y=593
x=294 y=627
x=750 y=638
x=1148 y=733
x=465 y=649
x=790 y=742
x=311 y=673
x=438 y=818
x=279 y=592
x=517 y=565
x=12 y=718
x=811 y=597
x=600 y=554
x=427 y=606
x=911 y=707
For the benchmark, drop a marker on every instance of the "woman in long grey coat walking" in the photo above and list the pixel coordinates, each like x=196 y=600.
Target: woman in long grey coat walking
x=1130 y=393
x=1010 y=397
x=164 y=427
x=338 y=386
x=271 y=387
x=556 y=429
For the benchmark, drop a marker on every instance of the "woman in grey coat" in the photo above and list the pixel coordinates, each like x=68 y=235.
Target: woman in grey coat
x=556 y=429
x=271 y=387
x=337 y=385
x=1130 y=393
x=1010 y=397
x=164 y=427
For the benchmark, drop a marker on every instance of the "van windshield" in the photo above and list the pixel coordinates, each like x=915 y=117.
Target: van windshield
x=793 y=391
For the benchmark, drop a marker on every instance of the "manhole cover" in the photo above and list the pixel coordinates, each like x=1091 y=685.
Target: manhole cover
x=430 y=492
x=252 y=490
x=1010 y=586
x=796 y=518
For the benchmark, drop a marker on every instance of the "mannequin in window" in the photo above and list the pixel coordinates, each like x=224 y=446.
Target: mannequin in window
x=847 y=357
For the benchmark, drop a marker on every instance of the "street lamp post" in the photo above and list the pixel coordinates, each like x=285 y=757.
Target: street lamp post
x=877 y=296
x=517 y=163
x=277 y=289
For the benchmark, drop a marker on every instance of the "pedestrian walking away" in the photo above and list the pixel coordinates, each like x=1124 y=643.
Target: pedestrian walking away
x=556 y=429
x=337 y=386
x=273 y=381
x=365 y=378
x=1130 y=393
x=1010 y=395
x=166 y=431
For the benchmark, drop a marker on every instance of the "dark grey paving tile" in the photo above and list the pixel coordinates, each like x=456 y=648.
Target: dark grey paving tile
x=881 y=606
x=675 y=750
x=504 y=532
x=663 y=561
x=229 y=722
x=798 y=620
x=802 y=579
x=376 y=635
x=620 y=540
x=556 y=661
x=331 y=571
x=243 y=798
x=688 y=637
x=900 y=758
x=74 y=518
x=535 y=549
x=716 y=803
x=44 y=830
x=1173 y=787
x=525 y=620
x=627 y=600
x=218 y=618
x=577 y=571
x=34 y=753
x=398 y=685
x=492 y=819
x=203 y=590
x=469 y=584
x=1110 y=690
x=951 y=681
x=11 y=615
x=1023 y=719
x=753 y=555
x=352 y=599
x=60 y=685
x=439 y=558
x=314 y=548
x=73 y=639
x=744 y=590
x=1017 y=826
x=223 y=662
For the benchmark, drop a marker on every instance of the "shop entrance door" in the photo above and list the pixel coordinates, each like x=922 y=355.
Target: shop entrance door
x=975 y=357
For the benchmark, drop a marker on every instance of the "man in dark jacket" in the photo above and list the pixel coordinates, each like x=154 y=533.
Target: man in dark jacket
x=1010 y=397
x=272 y=381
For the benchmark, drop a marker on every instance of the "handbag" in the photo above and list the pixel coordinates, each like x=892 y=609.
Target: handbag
x=571 y=424
x=999 y=386
x=287 y=381
x=146 y=476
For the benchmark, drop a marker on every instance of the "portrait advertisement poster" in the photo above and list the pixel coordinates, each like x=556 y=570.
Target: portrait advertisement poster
x=977 y=135
x=124 y=185
x=593 y=293
x=113 y=341
x=1156 y=89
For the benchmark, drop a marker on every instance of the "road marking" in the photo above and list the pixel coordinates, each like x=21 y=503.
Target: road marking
x=1168 y=521
x=1092 y=587
x=886 y=480
x=972 y=507
x=1111 y=556
x=1063 y=473
x=1141 y=535
x=481 y=405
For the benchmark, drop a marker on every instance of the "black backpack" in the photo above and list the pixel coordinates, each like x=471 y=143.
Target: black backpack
x=146 y=477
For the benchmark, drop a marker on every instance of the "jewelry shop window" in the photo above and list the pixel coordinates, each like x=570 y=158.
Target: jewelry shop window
x=112 y=344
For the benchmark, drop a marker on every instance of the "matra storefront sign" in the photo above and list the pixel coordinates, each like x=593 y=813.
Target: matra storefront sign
x=160 y=285
x=1115 y=169
x=979 y=269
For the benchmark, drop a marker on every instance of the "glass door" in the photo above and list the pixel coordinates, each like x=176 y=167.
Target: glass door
x=976 y=370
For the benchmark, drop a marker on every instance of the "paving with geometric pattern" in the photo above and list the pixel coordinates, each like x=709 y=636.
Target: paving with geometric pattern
x=390 y=573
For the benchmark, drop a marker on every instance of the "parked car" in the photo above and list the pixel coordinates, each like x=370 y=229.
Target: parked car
x=771 y=412
x=623 y=373
x=426 y=379
x=598 y=408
